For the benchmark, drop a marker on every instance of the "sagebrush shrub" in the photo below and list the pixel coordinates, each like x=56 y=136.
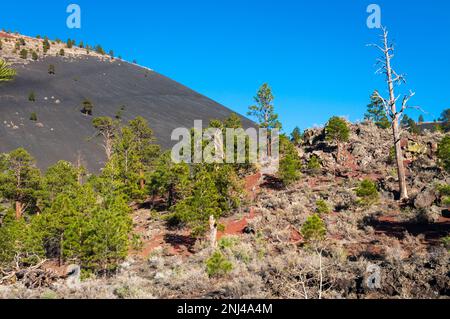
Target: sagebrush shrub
x=322 y=207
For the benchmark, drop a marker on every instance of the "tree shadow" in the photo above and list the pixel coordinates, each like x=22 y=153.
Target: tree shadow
x=432 y=232
x=177 y=241
x=272 y=182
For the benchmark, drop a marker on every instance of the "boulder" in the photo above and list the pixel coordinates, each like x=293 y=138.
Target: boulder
x=425 y=198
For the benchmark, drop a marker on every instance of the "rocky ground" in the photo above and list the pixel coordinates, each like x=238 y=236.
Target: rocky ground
x=382 y=250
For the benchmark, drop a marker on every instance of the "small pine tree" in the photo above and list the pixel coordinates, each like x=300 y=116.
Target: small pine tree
x=313 y=229
x=314 y=165
x=45 y=45
x=337 y=131
x=24 y=54
x=51 y=69
x=33 y=117
x=62 y=52
x=421 y=119
x=31 y=97
x=69 y=43
x=34 y=56
x=296 y=136
x=217 y=265
x=322 y=207
x=367 y=192
x=443 y=153
x=445 y=118
x=376 y=112
x=87 y=107
x=99 y=50
x=290 y=165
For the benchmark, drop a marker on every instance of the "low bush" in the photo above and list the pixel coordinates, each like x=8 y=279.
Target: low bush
x=217 y=265
x=367 y=192
x=322 y=207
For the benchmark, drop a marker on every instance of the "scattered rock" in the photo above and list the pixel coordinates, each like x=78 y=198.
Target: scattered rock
x=425 y=198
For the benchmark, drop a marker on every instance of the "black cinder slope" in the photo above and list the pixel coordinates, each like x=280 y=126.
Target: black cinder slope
x=61 y=131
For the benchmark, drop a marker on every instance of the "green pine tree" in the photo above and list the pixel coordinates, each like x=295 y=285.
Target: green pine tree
x=376 y=112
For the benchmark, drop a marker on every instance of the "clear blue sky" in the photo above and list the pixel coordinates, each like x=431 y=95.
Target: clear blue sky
x=312 y=53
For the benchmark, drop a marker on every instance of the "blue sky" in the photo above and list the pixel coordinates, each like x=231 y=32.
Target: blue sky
x=312 y=53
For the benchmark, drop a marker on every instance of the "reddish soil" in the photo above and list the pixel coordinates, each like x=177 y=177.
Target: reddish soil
x=236 y=227
x=251 y=185
x=5 y=35
x=181 y=242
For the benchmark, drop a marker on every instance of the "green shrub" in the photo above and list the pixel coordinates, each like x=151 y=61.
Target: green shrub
x=313 y=229
x=34 y=56
x=443 y=153
x=367 y=192
x=314 y=165
x=446 y=242
x=33 y=117
x=217 y=265
x=444 y=192
x=322 y=207
x=227 y=242
x=62 y=52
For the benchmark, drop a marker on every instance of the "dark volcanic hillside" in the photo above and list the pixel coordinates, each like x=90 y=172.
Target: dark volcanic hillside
x=62 y=131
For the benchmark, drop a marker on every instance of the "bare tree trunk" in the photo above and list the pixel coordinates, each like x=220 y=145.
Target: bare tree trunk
x=393 y=78
x=399 y=160
x=213 y=232
x=79 y=171
x=18 y=210
x=395 y=123
x=141 y=179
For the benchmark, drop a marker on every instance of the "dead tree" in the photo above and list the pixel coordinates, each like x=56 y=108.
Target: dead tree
x=390 y=105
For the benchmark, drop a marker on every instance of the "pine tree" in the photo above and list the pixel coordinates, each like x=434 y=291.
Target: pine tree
x=290 y=165
x=20 y=181
x=106 y=127
x=87 y=107
x=201 y=203
x=376 y=112
x=32 y=97
x=169 y=179
x=338 y=132
x=24 y=54
x=51 y=69
x=443 y=153
x=314 y=229
x=445 y=118
x=145 y=147
x=61 y=178
x=420 y=119
x=264 y=111
x=296 y=136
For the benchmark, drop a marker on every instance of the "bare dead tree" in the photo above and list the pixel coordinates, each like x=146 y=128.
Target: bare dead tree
x=390 y=104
